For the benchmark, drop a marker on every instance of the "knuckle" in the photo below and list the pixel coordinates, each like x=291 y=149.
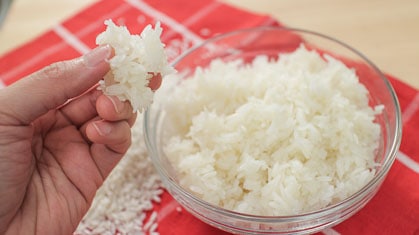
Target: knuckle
x=57 y=70
x=53 y=70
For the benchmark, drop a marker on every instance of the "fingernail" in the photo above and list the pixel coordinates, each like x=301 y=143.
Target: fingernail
x=97 y=55
x=117 y=104
x=102 y=128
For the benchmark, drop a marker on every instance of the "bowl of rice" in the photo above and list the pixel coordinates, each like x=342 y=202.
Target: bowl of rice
x=273 y=130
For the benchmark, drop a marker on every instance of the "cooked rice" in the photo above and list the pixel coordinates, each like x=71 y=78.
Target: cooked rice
x=137 y=59
x=274 y=137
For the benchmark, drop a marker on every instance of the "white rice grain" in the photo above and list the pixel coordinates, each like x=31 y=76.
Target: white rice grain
x=151 y=221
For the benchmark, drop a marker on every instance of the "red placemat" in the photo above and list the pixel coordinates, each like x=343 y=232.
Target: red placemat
x=394 y=210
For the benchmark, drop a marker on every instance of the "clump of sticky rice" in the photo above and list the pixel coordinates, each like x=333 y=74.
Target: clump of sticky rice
x=271 y=137
x=137 y=59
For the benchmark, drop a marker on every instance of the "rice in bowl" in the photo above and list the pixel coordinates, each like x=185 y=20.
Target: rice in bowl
x=271 y=137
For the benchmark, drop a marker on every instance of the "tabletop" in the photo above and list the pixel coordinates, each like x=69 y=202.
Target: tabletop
x=386 y=31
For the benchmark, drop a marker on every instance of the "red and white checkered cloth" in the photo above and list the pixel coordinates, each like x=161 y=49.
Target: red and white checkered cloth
x=395 y=208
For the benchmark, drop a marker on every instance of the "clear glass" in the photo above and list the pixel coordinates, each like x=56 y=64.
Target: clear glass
x=247 y=44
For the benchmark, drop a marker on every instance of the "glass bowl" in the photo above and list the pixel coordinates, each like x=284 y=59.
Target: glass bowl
x=246 y=44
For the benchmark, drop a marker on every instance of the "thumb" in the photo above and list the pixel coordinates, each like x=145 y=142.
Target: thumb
x=52 y=86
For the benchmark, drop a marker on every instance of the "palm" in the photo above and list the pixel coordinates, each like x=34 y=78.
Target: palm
x=65 y=175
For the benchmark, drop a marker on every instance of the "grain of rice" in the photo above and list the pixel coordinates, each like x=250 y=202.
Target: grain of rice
x=153 y=228
x=151 y=221
x=156 y=199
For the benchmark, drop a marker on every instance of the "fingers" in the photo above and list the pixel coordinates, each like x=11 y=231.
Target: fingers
x=105 y=159
x=110 y=142
x=112 y=109
x=109 y=131
x=115 y=135
x=82 y=109
x=94 y=103
x=52 y=86
x=112 y=126
x=105 y=108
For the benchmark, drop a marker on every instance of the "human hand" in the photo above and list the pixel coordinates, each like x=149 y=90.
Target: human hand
x=59 y=139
